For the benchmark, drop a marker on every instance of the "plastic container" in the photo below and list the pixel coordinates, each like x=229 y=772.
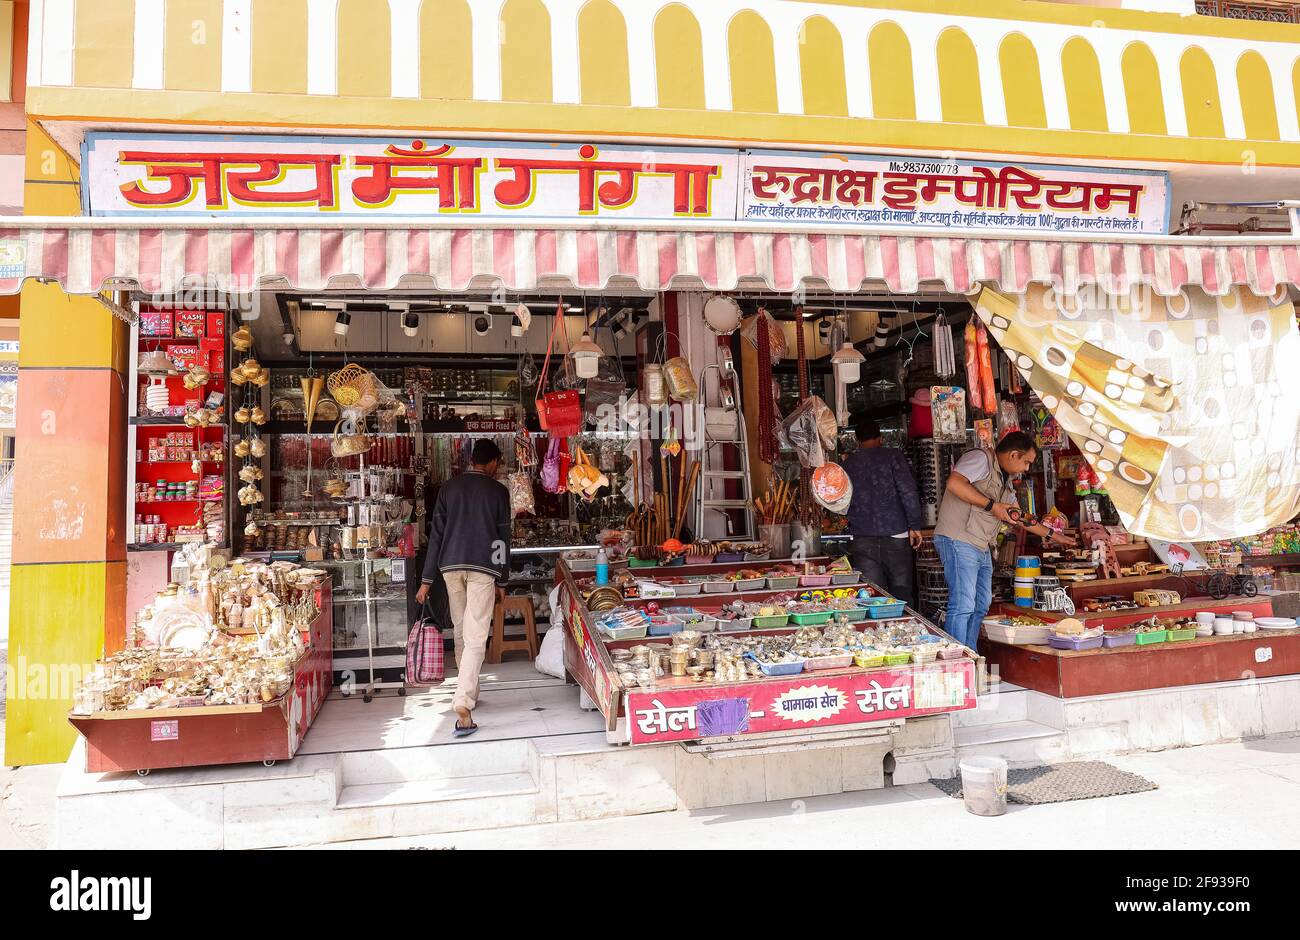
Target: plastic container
x=686 y=588
x=1072 y=643
x=735 y=625
x=665 y=627
x=634 y=562
x=625 y=633
x=602 y=567
x=1188 y=634
x=759 y=556
x=581 y=564
x=882 y=608
x=782 y=583
x=865 y=660
x=1119 y=638
x=814 y=580
x=717 y=587
x=854 y=615
x=727 y=558
x=1016 y=634
x=804 y=620
x=984 y=785
x=952 y=652
x=699 y=559
x=750 y=584
x=1151 y=637
x=898 y=659
x=778 y=669
x=851 y=577
x=770 y=621
x=814 y=663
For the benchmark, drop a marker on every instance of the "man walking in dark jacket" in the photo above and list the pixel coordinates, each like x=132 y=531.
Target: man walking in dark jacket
x=469 y=548
x=885 y=514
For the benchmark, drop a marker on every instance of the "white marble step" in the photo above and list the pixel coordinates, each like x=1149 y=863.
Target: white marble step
x=438 y=762
x=480 y=787
x=994 y=709
x=1019 y=743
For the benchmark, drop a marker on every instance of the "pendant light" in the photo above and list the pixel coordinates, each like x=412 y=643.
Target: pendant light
x=586 y=357
x=847 y=362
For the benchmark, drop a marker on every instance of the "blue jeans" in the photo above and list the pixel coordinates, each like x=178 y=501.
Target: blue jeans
x=969 y=573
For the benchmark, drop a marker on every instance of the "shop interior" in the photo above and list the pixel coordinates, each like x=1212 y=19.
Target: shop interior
x=249 y=436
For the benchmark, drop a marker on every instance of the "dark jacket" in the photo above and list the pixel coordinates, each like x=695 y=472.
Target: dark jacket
x=885 y=499
x=470 y=529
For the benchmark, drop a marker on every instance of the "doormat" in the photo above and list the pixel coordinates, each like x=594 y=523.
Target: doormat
x=1061 y=783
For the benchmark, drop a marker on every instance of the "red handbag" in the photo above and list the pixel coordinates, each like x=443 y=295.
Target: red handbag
x=559 y=413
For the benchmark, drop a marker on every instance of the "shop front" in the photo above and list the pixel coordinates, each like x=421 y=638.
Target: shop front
x=255 y=312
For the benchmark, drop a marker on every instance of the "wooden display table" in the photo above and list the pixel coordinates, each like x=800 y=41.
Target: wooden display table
x=144 y=739
x=1070 y=674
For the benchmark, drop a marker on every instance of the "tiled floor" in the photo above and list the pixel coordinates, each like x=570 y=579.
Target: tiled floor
x=516 y=701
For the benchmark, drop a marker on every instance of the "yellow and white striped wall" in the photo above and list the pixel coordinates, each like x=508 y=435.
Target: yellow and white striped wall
x=1014 y=75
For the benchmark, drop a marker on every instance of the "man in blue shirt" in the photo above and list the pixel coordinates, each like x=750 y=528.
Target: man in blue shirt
x=885 y=514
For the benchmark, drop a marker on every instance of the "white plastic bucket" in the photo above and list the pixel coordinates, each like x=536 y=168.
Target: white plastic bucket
x=984 y=785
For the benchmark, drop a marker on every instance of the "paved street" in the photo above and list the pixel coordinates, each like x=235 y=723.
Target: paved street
x=1217 y=796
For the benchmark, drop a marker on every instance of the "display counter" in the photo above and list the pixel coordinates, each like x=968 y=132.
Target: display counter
x=685 y=708
x=202 y=735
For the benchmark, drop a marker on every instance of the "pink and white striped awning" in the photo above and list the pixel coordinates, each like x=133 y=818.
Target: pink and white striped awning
x=85 y=256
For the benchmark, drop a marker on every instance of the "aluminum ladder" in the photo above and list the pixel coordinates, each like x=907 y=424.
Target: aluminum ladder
x=718 y=515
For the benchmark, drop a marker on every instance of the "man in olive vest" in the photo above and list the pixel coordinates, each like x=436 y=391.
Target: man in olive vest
x=978 y=500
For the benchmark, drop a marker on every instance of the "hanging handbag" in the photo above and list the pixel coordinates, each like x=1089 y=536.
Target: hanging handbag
x=559 y=412
x=585 y=479
x=425 y=665
x=551 y=466
x=604 y=393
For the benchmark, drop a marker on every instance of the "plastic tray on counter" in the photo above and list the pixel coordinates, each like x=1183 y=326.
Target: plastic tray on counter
x=952 y=652
x=782 y=582
x=882 y=608
x=686 y=589
x=749 y=584
x=770 y=621
x=1152 y=637
x=865 y=660
x=735 y=624
x=813 y=619
x=897 y=659
x=1175 y=635
x=815 y=663
x=728 y=558
x=665 y=626
x=1073 y=643
x=849 y=577
x=814 y=580
x=778 y=669
x=852 y=615
x=1119 y=638
x=636 y=632
x=718 y=587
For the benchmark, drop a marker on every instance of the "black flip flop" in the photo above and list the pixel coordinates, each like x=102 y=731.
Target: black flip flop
x=459 y=732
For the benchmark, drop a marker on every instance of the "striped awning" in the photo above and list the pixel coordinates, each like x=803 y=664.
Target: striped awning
x=86 y=256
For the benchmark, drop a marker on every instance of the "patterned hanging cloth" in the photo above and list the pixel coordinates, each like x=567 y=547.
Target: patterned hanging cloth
x=1180 y=404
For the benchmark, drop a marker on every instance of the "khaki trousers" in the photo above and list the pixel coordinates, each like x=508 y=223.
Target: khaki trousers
x=472 y=597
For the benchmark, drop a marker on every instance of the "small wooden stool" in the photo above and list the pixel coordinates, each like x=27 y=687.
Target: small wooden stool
x=497 y=643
